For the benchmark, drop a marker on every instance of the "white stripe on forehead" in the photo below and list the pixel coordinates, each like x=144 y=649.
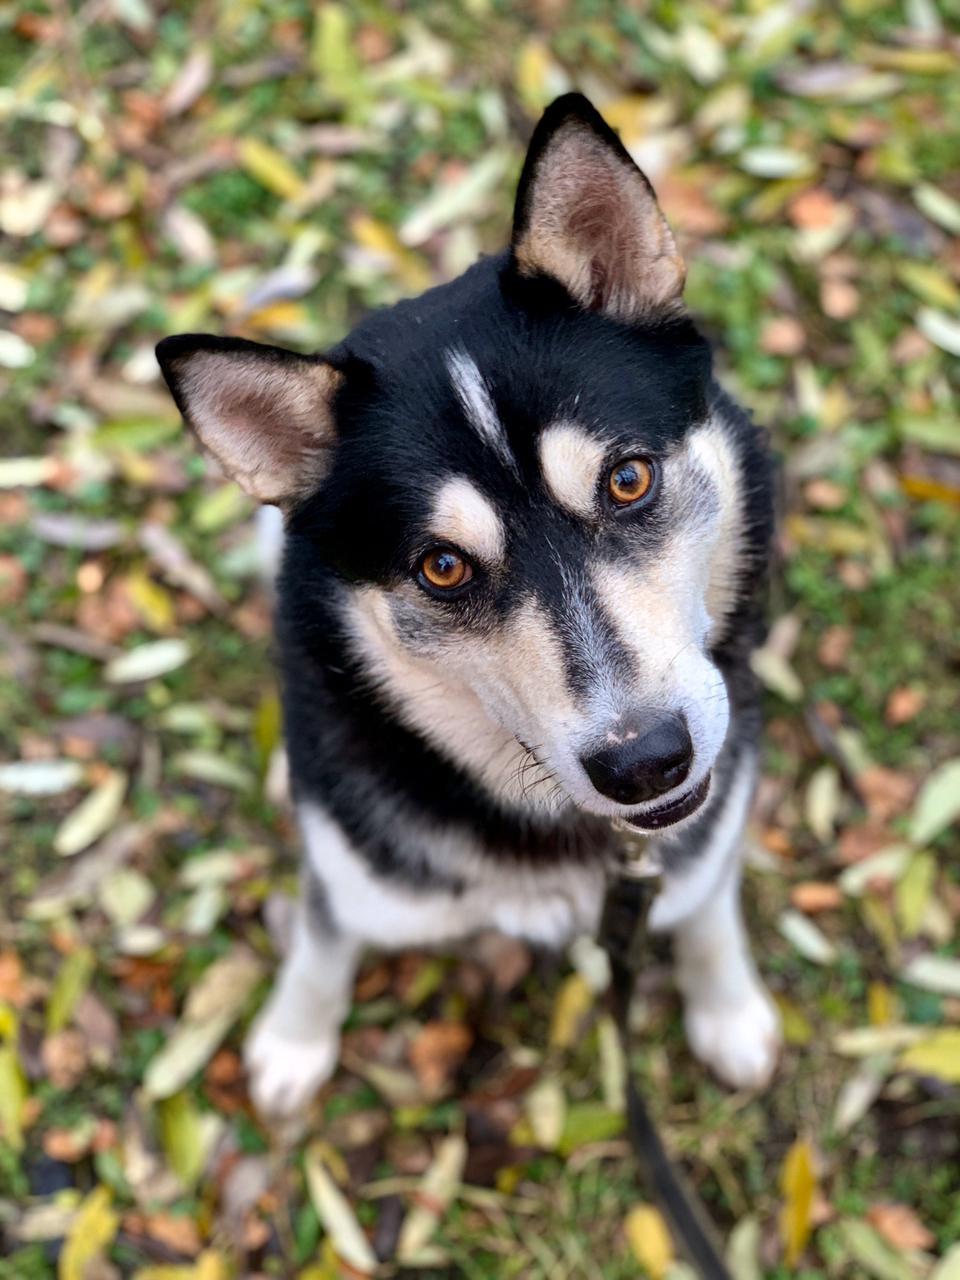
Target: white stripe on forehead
x=570 y=460
x=474 y=396
x=462 y=515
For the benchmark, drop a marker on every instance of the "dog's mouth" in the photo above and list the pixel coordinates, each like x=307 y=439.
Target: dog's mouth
x=674 y=811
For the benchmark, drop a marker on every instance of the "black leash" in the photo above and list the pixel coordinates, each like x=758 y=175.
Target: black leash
x=623 y=932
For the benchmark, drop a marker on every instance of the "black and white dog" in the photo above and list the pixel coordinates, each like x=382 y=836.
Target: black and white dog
x=525 y=542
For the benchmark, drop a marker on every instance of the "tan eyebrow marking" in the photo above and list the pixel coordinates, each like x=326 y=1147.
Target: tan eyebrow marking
x=571 y=459
x=462 y=515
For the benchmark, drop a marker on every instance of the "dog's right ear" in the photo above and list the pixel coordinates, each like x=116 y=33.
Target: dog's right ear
x=588 y=218
x=266 y=414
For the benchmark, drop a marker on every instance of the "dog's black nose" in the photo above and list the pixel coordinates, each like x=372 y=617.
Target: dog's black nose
x=644 y=764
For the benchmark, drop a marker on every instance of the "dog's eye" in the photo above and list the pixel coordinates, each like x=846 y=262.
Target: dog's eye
x=630 y=481
x=444 y=569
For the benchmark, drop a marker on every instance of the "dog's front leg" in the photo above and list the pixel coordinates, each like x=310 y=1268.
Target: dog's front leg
x=732 y=1024
x=294 y=1043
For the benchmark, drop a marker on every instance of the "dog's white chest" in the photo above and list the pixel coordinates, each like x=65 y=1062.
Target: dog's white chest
x=545 y=906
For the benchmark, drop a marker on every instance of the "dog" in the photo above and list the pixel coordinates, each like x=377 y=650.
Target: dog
x=525 y=541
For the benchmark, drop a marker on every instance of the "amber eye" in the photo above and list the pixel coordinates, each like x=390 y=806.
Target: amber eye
x=444 y=569
x=630 y=481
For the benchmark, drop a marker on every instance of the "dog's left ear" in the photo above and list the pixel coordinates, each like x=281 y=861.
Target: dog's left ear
x=266 y=414
x=587 y=217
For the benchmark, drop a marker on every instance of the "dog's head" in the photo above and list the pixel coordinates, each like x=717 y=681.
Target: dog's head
x=517 y=482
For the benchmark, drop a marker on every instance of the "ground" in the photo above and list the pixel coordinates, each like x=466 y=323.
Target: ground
x=272 y=170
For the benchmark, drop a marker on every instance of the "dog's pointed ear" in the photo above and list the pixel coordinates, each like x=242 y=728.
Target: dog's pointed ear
x=587 y=217
x=264 y=413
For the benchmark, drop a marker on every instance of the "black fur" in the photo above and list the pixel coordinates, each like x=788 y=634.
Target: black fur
x=400 y=432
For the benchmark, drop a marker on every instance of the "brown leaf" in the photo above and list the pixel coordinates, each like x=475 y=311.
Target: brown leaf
x=13 y=989
x=859 y=842
x=437 y=1052
x=839 y=299
x=813 y=209
x=68 y=1145
x=65 y=1058
x=886 y=792
x=782 y=336
x=13 y=580
x=825 y=495
x=176 y=1231
x=814 y=896
x=904 y=704
x=834 y=647
x=900 y=1226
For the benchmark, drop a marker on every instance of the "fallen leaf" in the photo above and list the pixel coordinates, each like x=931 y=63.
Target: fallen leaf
x=807 y=938
x=92 y=1230
x=649 y=1239
x=813 y=896
x=93 y=817
x=938 y=804
x=858 y=1093
x=900 y=1226
x=573 y=1001
x=40 y=777
x=211 y=1008
x=336 y=1215
x=546 y=1108
x=148 y=661
x=436 y=1191
x=870 y=1251
x=798 y=1184
x=437 y=1051
x=904 y=704
x=934 y=973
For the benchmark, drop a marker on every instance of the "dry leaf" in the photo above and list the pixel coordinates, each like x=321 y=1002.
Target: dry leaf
x=649 y=1239
x=798 y=1183
x=900 y=1226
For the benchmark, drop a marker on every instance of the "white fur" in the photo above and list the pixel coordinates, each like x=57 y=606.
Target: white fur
x=546 y=906
x=293 y=1046
x=477 y=403
x=731 y=1022
x=570 y=460
x=464 y=516
x=270 y=537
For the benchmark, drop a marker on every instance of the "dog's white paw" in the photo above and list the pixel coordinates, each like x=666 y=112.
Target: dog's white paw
x=739 y=1043
x=285 y=1074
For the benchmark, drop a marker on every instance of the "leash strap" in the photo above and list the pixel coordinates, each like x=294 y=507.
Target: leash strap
x=623 y=930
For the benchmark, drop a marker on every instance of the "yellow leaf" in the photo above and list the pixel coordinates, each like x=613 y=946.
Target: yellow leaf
x=268 y=167
x=13 y=1094
x=913 y=892
x=92 y=1230
x=649 y=1239
x=798 y=1183
x=151 y=601
x=208 y=1266
x=279 y=317
x=938 y=1055
x=573 y=1001
x=881 y=1005
x=380 y=239
x=539 y=78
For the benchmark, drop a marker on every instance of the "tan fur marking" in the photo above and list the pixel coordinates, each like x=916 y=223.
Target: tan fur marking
x=711 y=450
x=462 y=515
x=571 y=461
x=595 y=226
